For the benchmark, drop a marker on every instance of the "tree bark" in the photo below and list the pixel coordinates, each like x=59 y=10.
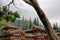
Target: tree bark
x=44 y=19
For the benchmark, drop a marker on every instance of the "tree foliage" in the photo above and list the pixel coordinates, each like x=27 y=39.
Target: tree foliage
x=55 y=26
x=25 y=24
x=7 y=17
x=30 y=23
x=36 y=21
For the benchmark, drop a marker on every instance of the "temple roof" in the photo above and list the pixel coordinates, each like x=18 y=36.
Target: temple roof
x=10 y=27
x=39 y=27
x=34 y=29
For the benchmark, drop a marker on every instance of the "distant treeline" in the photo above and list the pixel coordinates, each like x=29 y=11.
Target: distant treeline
x=25 y=24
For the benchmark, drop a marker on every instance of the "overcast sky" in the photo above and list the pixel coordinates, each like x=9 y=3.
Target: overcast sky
x=50 y=7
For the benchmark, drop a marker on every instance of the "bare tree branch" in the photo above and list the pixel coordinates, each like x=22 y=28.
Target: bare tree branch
x=10 y=3
x=16 y=6
x=27 y=1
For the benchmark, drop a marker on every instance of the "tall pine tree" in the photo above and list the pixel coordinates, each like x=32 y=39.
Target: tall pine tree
x=37 y=22
x=30 y=23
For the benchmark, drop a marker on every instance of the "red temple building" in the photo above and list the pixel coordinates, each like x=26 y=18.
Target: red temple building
x=38 y=32
x=35 y=33
x=12 y=33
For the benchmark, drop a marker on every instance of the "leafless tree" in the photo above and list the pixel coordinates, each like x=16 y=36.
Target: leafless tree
x=43 y=18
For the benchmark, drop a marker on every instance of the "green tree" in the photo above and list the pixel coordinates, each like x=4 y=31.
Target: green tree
x=22 y=24
x=55 y=26
x=30 y=23
x=25 y=27
x=18 y=23
x=58 y=29
x=37 y=23
x=7 y=17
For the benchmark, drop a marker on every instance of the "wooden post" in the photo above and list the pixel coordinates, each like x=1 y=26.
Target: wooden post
x=43 y=18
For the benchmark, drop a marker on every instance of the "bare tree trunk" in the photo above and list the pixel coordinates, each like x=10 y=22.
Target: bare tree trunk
x=44 y=19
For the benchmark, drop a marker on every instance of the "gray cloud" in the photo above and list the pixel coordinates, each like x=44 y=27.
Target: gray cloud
x=50 y=7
